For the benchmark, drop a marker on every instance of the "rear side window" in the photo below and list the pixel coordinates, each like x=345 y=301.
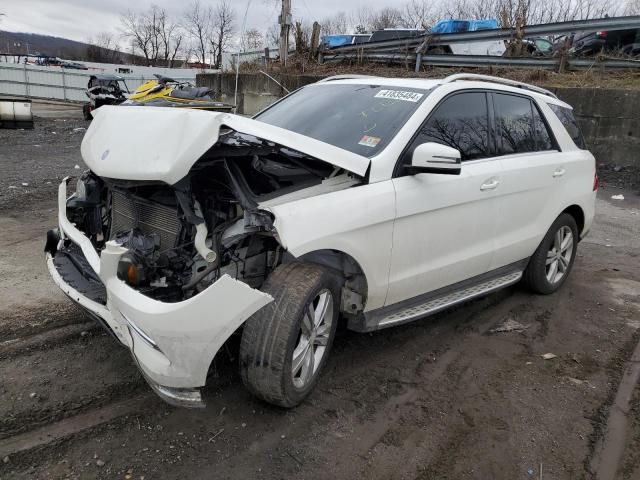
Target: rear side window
x=461 y=122
x=519 y=126
x=565 y=115
x=541 y=131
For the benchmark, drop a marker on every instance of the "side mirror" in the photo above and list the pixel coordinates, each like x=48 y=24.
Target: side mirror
x=435 y=158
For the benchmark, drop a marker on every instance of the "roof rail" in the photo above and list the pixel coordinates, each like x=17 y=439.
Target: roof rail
x=345 y=77
x=504 y=81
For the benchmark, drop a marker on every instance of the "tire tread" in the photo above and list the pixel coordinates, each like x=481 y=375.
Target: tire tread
x=266 y=335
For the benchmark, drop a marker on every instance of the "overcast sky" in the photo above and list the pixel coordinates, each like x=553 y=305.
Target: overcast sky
x=81 y=19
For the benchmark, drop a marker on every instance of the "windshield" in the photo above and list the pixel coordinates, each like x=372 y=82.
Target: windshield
x=360 y=118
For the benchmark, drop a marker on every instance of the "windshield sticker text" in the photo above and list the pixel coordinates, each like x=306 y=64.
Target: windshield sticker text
x=368 y=141
x=399 y=95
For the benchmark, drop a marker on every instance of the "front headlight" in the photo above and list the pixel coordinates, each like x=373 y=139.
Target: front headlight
x=132 y=270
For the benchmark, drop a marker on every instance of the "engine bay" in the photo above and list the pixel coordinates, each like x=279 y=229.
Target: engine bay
x=183 y=237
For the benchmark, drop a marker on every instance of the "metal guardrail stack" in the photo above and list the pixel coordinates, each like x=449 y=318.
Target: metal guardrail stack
x=409 y=50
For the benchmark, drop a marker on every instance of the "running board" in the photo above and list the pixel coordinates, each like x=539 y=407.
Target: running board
x=425 y=305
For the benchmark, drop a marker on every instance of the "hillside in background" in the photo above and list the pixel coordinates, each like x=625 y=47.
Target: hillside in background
x=60 y=47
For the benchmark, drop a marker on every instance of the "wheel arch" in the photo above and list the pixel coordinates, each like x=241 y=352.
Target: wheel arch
x=348 y=267
x=337 y=260
x=578 y=215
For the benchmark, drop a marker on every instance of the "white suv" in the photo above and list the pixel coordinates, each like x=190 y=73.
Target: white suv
x=374 y=200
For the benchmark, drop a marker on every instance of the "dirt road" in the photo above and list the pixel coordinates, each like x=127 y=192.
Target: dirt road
x=448 y=397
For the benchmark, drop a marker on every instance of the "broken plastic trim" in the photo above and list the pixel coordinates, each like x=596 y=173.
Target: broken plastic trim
x=141 y=333
x=178 y=397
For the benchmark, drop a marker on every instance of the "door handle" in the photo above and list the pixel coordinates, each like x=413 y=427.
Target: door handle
x=490 y=184
x=558 y=172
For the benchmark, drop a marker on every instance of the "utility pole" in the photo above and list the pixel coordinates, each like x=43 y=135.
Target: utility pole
x=285 y=24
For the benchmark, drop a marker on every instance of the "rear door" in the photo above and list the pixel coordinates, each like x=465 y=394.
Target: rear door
x=444 y=231
x=533 y=174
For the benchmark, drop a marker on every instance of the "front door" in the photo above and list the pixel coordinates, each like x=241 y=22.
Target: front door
x=445 y=224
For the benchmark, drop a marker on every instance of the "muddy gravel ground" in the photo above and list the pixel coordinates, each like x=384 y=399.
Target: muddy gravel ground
x=448 y=397
x=34 y=161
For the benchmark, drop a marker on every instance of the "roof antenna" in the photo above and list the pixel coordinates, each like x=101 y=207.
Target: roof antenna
x=244 y=24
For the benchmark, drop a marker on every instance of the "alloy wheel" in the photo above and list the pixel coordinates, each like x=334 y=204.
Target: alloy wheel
x=315 y=331
x=559 y=256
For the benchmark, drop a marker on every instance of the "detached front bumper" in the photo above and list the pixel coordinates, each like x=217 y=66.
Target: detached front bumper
x=173 y=344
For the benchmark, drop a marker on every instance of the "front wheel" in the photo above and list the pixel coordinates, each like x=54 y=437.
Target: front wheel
x=551 y=263
x=285 y=344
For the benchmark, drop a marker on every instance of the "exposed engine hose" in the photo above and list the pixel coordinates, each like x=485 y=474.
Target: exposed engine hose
x=200 y=241
x=198 y=277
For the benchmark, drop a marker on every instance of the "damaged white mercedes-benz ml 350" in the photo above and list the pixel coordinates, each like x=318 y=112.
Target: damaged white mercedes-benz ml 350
x=371 y=200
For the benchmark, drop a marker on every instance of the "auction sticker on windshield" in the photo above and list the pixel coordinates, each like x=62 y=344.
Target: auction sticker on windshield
x=400 y=95
x=368 y=141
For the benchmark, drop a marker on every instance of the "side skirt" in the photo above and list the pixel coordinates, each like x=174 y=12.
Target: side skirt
x=432 y=302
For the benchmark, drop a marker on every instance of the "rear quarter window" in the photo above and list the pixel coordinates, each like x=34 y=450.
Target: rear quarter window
x=566 y=117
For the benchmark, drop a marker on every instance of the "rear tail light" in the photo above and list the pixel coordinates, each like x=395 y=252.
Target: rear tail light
x=596 y=182
x=602 y=34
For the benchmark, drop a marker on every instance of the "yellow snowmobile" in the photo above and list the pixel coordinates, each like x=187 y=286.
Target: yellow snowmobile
x=166 y=92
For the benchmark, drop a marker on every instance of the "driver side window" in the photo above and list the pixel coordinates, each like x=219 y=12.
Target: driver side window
x=462 y=122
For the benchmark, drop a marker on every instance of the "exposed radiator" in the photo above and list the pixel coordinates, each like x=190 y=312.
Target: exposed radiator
x=131 y=212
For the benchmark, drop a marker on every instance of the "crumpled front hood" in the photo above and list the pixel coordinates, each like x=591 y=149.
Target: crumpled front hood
x=162 y=144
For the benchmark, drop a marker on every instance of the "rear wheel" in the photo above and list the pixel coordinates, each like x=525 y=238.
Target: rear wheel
x=285 y=344
x=551 y=263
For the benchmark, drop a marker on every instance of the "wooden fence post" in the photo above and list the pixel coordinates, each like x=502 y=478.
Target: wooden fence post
x=267 y=58
x=315 y=40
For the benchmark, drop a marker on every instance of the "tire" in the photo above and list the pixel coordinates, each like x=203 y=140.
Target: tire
x=538 y=275
x=273 y=334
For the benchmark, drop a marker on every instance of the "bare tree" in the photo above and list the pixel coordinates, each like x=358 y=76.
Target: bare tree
x=470 y=9
x=360 y=29
x=419 y=14
x=154 y=34
x=272 y=35
x=135 y=29
x=197 y=23
x=337 y=24
x=171 y=37
x=511 y=12
x=252 y=39
x=301 y=34
x=222 y=30
x=361 y=19
x=632 y=7
x=102 y=48
x=387 y=17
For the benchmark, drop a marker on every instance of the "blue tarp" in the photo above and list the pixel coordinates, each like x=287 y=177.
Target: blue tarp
x=456 y=26
x=336 y=40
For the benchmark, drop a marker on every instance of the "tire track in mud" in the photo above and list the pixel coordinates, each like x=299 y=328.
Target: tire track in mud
x=46 y=339
x=380 y=391
x=32 y=321
x=406 y=400
x=62 y=373
x=610 y=438
x=31 y=429
x=37 y=438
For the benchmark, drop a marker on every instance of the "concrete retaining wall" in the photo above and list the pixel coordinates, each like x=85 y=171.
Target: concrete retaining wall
x=610 y=119
x=610 y=122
